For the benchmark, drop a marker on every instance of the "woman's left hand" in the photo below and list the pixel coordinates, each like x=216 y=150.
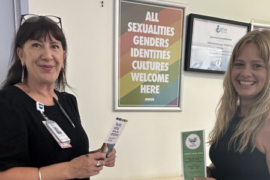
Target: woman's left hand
x=110 y=159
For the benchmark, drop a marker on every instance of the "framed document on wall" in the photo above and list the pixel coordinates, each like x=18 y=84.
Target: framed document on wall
x=210 y=42
x=260 y=27
x=149 y=48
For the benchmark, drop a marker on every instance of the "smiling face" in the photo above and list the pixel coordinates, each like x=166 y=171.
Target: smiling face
x=249 y=72
x=43 y=59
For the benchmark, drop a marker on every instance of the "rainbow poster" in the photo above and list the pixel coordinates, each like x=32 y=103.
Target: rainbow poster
x=149 y=57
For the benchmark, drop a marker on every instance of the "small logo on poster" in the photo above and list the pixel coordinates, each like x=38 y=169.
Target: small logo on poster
x=218 y=30
x=221 y=29
x=193 y=141
x=218 y=63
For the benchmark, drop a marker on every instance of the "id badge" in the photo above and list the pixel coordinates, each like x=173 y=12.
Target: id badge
x=57 y=131
x=58 y=134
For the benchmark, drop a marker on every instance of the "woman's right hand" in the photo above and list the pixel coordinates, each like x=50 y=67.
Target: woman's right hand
x=85 y=166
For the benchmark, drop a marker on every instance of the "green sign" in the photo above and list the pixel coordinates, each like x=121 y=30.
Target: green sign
x=193 y=154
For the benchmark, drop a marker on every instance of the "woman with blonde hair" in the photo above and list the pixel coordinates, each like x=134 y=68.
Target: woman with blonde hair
x=240 y=140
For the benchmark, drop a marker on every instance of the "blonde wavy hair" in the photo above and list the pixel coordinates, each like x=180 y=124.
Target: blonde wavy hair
x=257 y=114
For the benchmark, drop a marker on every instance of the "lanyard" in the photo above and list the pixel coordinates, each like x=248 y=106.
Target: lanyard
x=64 y=112
x=55 y=130
x=40 y=108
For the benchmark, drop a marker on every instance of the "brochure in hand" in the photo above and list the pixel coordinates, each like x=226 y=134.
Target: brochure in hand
x=113 y=136
x=193 y=154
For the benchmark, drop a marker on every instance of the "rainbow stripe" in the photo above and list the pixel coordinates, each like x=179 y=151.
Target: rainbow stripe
x=121 y=119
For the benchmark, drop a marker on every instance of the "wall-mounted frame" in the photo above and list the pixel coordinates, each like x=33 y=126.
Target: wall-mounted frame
x=260 y=27
x=149 y=49
x=210 y=42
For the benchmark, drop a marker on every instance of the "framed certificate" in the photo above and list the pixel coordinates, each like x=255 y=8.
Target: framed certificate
x=210 y=42
x=260 y=27
x=149 y=48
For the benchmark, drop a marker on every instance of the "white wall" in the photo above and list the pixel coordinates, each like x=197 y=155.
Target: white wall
x=149 y=147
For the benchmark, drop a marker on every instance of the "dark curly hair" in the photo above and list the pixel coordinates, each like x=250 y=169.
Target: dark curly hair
x=36 y=30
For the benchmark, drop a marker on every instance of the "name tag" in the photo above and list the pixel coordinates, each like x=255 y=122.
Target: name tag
x=57 y=131
x=59 y=135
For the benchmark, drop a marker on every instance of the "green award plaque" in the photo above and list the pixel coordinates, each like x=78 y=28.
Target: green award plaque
x=193 y=154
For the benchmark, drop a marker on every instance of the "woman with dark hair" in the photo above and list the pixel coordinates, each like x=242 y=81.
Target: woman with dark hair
x=41 y=136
